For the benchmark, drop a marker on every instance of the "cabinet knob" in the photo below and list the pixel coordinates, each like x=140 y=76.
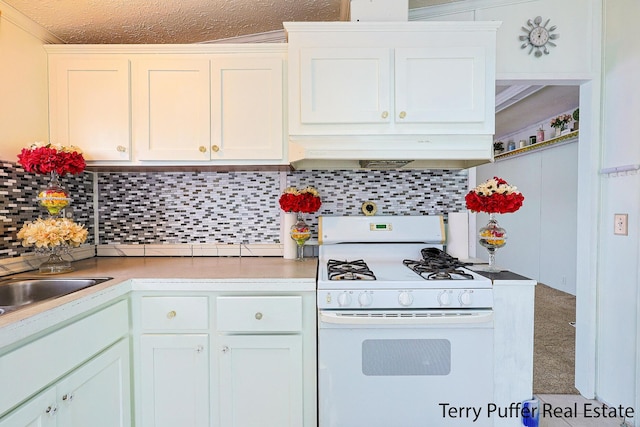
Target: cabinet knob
x=402 y=114
x=121 y=148
x=215 y=148
x=171 y=314
x=202 y=149
x=199 y=349
x=51 y=410
x=385 y=114
x=67 y=397
x=225 y=349
x=259 y=316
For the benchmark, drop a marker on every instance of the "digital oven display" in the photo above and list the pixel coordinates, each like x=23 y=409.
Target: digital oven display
x=379 y=227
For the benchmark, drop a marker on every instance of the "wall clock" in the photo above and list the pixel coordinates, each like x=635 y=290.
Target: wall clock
x=538 y=37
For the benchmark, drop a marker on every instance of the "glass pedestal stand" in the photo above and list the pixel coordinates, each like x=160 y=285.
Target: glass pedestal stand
x=492 y=237
x=300 y=233
x=55 y=264
x=54 y=198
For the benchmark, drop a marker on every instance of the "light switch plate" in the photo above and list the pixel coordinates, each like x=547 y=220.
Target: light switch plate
x=620 y=224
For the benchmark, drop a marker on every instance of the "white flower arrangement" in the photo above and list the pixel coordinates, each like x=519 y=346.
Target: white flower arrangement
x=495 y=186
x=57 y=147
x=52 y=232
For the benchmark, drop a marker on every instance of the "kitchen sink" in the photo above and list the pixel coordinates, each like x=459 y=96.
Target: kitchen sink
x=17 y=293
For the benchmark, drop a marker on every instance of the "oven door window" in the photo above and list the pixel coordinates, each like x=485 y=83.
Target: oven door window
x=391 y=357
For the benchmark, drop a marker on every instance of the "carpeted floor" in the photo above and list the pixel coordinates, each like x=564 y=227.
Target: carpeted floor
x=554 y=342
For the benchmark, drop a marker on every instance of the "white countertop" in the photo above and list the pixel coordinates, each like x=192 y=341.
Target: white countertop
x=242 y=274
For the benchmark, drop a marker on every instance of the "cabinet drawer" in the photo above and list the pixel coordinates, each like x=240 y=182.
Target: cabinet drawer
x=258 y=314
x=174 y=313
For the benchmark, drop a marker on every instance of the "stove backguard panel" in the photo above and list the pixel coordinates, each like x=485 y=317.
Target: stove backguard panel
x=219 y=207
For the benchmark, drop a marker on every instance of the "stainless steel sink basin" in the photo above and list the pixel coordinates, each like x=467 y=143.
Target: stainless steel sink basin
x=17 y=293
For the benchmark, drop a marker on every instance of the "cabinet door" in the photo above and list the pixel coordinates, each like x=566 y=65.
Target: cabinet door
x=174 y=380
x=171 y=109
x=246 y=109
x=98 y=393
x=343 y=85
x=440 y=85
x=261 y=381
x=40 y=411
x=89 y=106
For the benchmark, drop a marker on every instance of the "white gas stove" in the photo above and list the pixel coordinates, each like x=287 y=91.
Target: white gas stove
x=393 y=262
x=396 y=313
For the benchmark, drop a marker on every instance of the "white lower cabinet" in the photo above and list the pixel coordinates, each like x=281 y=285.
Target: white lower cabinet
x=172 y=357
x=260 y=343
x=175 y=380
x=39 y=411
x=77 y=375
x=225 y=360
x=261 y=382
x=96 y=394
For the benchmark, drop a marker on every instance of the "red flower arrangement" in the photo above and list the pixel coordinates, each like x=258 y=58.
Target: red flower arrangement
x=306 y=200
x=494 y=196
x=44 y=158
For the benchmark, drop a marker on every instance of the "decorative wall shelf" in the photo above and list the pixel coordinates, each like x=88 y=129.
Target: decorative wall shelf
x=537 y=146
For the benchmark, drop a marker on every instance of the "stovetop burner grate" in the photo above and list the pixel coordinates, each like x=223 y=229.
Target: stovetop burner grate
x=438 y=265
x=440 y=257
x=431 y=271
x=349 y=270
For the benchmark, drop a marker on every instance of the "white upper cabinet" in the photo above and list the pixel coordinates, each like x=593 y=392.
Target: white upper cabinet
x=343 y=85
x=170 y=104
x=171 y=108
x=391 y=78
x=247 y=108
x=89 y=105
x=441 y=85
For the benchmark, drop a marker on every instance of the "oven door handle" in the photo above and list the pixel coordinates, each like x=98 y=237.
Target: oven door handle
x=403 y=319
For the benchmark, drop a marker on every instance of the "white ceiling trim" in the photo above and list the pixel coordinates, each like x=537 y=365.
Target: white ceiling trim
x=276 y=36
x=21 y=21
x=429 y=12
x=514 y=94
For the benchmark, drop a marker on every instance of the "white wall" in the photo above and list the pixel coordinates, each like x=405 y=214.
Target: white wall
x=608 y=273
x=582 y=21
x=541 y=242
x=23 y=83
x=571 y=60
x=618 y=317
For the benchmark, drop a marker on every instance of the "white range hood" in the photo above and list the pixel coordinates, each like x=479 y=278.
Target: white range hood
x=402 y=94
x=407 y=152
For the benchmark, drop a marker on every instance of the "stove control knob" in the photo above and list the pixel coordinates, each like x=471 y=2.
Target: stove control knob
x=444 y=298
x=365 y=299
x=465 y=298
x=344 y=299
x=405 y=299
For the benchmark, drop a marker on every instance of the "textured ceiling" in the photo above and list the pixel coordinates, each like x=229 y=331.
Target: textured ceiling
x=169 y=21
x=177 y=21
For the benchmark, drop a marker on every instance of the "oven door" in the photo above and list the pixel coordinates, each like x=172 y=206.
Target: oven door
x=382 y=369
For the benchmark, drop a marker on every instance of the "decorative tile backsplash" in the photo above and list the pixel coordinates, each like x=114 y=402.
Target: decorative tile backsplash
x=219 y=207
x=18 y=204
x=188 y=207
